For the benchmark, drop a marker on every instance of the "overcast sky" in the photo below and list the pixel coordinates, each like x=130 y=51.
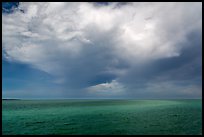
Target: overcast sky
x=102 y=50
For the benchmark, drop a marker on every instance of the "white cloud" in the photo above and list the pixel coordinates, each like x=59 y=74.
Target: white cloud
x=111 y=88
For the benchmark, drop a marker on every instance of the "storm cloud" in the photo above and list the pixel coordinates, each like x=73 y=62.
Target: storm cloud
x=137 y=50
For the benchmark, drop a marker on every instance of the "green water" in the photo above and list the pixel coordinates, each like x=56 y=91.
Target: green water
x=102 y=117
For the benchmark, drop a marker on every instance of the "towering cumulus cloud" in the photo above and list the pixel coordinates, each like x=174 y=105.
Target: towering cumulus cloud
x=113 y=49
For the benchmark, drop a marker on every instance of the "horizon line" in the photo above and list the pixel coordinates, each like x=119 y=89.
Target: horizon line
x=98 y=98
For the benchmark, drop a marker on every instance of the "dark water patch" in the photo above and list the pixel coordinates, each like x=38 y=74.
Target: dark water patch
x=34 y=123
x=69 y=123
x=175 y=115
x=40 y=122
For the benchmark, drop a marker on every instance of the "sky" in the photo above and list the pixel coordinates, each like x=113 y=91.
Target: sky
x=138 y=50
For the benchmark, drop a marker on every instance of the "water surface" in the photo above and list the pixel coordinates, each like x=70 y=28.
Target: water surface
x=102 y=117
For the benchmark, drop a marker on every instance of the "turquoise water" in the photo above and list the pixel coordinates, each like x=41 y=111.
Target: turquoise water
x=102 y=117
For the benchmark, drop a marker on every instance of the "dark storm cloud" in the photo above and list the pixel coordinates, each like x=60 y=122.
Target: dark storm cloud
x=180 y=72
x=186 y=66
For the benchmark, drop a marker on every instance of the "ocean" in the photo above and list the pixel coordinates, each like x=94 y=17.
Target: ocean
x=102 y=117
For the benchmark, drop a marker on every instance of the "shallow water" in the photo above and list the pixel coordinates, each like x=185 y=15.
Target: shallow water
x=102 y=117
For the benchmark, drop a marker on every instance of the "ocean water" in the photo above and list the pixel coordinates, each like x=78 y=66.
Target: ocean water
x=102 y=117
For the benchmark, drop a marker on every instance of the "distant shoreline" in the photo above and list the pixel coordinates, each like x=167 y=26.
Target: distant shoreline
x=11 y=99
